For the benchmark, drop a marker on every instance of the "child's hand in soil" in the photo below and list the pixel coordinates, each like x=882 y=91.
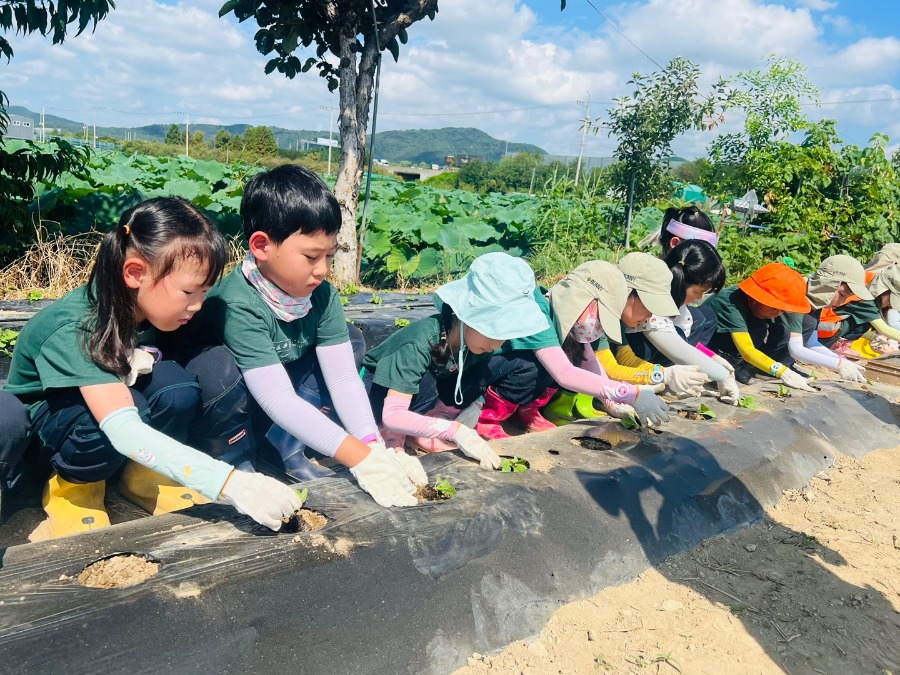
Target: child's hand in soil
x=474 y=446
x=411 y=466
x=381 y=475
x=796 y=381
x=729 y=392
x=261 y=497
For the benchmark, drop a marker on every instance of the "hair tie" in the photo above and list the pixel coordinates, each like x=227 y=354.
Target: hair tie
x=127 y=229
x=681 y=262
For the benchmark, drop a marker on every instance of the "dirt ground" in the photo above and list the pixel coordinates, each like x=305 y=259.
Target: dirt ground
x=815 y=588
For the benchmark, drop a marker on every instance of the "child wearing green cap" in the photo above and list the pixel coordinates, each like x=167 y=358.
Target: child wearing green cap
x=443 y=363
x=587 y=303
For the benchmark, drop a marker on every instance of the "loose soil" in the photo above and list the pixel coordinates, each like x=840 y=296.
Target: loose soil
x=814 y=588
x=120 y=571
x=426 y=493
x=693 y=415
x=304 y=520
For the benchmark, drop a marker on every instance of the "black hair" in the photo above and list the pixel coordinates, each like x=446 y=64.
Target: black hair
x=689 y=215
x=441 y=353
x=694 y=262
x=573 y=349
x=286 y=200
x=164 y=231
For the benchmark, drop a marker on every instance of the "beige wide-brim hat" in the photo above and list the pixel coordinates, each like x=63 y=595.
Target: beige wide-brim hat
x=595 y=280
x=834 y=270
x=887 y=256
x=652 y=279
x=888 y=280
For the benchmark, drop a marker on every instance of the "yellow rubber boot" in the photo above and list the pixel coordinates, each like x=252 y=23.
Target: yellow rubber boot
x=154 y=492
x=864 y=347
x=71 y=508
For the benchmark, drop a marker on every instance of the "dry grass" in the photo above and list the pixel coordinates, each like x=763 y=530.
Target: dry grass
x=51 y=267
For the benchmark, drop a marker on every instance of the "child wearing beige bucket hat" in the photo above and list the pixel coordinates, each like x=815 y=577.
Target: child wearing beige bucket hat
x=587 y=303
x=439 y=364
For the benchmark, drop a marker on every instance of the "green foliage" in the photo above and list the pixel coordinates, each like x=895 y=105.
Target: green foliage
x=706 y=411
x=375 y=299
x=445 y=488
x=663 y=105
x=434 y=146
x=351 y=289
x=303 y=495
x=260 y=141
x=748 y=402
x=8 y=339
x=34 y=296
x=174 y=136
x=401 y=323
x=783 y=391
x=516 y=173
x=630 y=422
x=513 y=465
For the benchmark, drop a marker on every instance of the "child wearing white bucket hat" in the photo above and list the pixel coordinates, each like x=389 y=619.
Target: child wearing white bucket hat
x=588 y=302
x=443 y=359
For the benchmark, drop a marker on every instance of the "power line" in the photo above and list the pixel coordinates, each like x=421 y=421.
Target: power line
x=654 y=61
x=862 y=100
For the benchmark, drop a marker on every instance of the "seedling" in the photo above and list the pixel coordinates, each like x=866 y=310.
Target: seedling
x=601 y=662
x=444 y=488
x=706 y=412
x=34 y=296
x=351 y=289
x=302 y=494
x=401 y=323
x=8 y=339
x=630 y=422
x=345 y=300
x=513 y=465
x=784 y=392
x=748 y=402
x=812 y=375
x=410 y=298
x=376 y=299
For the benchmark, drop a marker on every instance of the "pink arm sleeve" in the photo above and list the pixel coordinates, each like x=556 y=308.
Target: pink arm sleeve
x=587 y=379
x=346 y=389
x=397 y=416
x=271 y=387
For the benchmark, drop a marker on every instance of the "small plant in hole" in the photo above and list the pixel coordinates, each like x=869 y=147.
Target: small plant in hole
x=513 y=464
x=345 y=300
x=351 y=289
x=812 y=376
x=401 y=323
x=706 y=412
x=303 y=520
x=630 y=422
x=8 y=339
x=748 y=402
x=376 y=299
x=440 y=491
x=34 y=296
x=784 y=392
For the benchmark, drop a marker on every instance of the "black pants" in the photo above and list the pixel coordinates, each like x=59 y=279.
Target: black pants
x=275 y=445
x=191 y=404
x=702 y=331
x=15 y=432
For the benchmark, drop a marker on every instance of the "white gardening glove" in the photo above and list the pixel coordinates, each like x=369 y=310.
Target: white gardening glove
x=620 y=411
x=141 y=362
x=795 y=380
x=850 y=371
x=681 y=379
x=474 y=446
x=650 y=409
x=261 y=497
x=722 y=361
x=411 y=466
x=729 y=392
x=381 y=475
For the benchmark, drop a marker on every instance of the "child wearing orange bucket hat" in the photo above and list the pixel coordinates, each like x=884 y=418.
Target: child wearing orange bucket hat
x=755 y=320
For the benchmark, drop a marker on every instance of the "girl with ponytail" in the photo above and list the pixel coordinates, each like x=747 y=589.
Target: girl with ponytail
x=105 y=403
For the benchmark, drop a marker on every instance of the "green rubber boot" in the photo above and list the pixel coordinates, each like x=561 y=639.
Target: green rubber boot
x=560 y=408
x=584 y=406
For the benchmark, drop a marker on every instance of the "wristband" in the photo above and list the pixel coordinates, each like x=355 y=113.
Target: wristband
x=371 y=438
x=775 y=369
x=657 y=376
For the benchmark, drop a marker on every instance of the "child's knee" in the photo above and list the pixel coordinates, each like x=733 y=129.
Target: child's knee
x=174 y=390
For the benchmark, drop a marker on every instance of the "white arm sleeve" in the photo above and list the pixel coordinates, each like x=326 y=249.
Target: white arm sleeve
x=346 y=389
x=809 y=355
x=679 y=351
x=135 y=439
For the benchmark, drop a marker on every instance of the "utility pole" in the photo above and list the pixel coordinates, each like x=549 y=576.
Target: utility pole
x=330 y=127
x=586 y=104
x=42 y=124
x=95 y=128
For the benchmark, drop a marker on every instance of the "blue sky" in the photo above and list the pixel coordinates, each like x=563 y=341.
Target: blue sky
x=511 y=68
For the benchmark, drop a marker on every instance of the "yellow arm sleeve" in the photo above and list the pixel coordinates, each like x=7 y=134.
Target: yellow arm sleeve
x=752 y=355
x=881 y=326
x=626 y=373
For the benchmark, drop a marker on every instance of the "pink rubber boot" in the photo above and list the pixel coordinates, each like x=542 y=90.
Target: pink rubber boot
x=495 y=411
x=529 y=414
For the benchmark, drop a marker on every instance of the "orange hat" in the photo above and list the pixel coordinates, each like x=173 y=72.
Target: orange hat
x=777 y=285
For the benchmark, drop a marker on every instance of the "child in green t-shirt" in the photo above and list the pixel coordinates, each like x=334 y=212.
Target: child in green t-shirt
x=102 y=398
x=285 y=325
x=446 y=357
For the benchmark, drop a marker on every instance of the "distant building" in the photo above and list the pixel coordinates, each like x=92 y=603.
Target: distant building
x=20 y=127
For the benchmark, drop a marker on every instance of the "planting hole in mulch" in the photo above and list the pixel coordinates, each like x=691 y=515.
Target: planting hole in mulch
x=304 y=520
x=693 y=415
x=589 y=443
x=512 y=464
x=119 y=570
x=427 y=493
x=553 y=452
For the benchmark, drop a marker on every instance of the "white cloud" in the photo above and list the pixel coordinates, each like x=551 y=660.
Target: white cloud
x=818 y=5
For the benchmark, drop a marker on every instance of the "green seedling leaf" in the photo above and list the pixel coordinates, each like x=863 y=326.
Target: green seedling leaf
x=8 y=338
x=748 y=402
x=513 y=465
x=444 y=487
x=376 y=299
x=706 y=412
x=345 y=300
x=401 y=323
x=783 y=391
x=302 y=494
x=812 y=375
x=630 y=422
x=34 y=296
x=351 y=289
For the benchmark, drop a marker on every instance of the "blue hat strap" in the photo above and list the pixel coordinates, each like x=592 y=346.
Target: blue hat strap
x=457 y=391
